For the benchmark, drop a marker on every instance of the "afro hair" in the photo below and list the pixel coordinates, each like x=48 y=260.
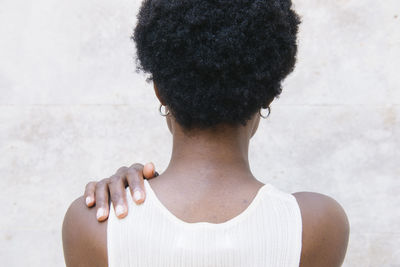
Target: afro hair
x=216 y=61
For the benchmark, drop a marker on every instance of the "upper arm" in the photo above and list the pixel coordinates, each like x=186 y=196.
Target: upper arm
x=84 y=238
x=325 y=230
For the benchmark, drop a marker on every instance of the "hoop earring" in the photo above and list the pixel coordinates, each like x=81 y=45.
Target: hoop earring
x=263 y=116
x=164 y=114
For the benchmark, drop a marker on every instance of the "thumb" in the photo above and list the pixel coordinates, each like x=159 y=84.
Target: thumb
x=149 y=170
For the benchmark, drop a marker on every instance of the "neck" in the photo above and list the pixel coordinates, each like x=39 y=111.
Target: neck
x=210 y=157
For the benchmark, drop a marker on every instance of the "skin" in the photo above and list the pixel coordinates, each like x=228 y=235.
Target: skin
x=113 y=188
x=189 y=189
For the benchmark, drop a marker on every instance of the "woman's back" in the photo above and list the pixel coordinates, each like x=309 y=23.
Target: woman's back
x=267 y=233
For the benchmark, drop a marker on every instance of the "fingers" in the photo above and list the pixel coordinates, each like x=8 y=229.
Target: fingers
x=117 y=194
x=114 y=187
x=135 y=181
x=89 y=194
x=101 y=196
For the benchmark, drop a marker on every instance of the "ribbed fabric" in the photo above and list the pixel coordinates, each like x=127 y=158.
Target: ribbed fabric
x=266 y=234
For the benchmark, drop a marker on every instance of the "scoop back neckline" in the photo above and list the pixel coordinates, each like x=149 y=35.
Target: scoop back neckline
x=245 y=213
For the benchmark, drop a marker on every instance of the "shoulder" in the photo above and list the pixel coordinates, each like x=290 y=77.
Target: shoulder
x=325 y=230
x=84 y=238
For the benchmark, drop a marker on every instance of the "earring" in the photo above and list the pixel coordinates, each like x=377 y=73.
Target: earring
x=265 y=116
x=166 y=113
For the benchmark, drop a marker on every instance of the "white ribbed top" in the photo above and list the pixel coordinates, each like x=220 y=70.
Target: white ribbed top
x=267 y=233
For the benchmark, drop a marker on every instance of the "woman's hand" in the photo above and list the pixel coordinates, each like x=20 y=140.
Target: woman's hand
x=98 y=193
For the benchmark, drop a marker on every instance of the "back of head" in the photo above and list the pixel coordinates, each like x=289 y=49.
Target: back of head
x=216 y=61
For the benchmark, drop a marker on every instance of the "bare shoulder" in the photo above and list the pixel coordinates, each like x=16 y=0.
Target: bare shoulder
x=325 y=230
x=84 y=238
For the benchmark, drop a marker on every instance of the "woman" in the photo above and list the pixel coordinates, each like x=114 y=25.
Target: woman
x=215 y=65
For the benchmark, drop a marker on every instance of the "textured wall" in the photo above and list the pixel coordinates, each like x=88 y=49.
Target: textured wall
x=72 y=109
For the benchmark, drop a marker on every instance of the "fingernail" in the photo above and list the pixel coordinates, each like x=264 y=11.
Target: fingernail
x=100 y=213
x=88 y=200
x=137 y=195
x=119 y=210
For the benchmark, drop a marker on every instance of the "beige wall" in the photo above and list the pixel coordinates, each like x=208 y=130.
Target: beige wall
x=72 y=109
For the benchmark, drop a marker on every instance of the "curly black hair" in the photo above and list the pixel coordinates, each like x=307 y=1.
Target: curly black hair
x=216 y=61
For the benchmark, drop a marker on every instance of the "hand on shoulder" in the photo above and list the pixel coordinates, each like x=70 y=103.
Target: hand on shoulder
x=84 y=237
x=325 y=230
